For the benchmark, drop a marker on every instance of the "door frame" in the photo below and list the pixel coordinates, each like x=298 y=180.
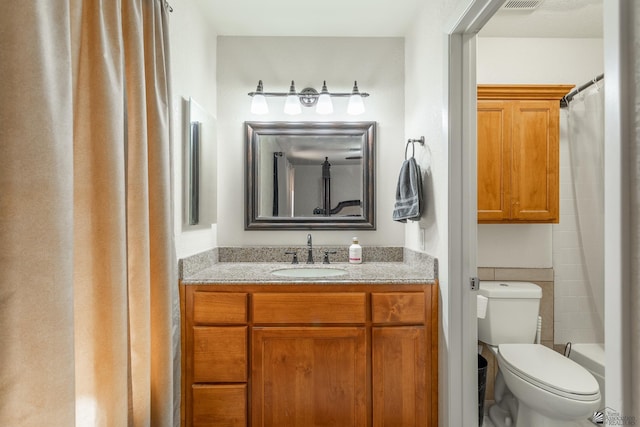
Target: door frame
x=618 y=122
x=460 y=104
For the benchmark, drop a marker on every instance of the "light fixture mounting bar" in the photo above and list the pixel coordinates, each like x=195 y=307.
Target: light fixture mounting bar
x=308 y=97
x=335 y=94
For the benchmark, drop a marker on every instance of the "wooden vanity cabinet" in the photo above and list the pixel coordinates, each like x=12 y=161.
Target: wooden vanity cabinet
x=310 y=355
x=518 y=153
x=216 y=362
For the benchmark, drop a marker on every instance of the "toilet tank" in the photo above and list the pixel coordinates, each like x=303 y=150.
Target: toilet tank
x=512 y=312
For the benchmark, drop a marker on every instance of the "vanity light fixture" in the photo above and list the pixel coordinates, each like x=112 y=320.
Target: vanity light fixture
x=308 y=97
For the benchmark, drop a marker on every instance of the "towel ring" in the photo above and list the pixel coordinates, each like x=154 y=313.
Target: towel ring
x=413 y=146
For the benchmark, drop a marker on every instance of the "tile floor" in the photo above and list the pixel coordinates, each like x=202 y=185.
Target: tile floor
x=487 y=422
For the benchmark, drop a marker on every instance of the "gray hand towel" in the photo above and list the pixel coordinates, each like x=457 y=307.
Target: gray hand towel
x=408 y=193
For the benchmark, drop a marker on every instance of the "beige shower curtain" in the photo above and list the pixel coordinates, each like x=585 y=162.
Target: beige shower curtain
x=87 y=276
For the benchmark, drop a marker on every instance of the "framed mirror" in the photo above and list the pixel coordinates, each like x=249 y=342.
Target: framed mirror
x=310 y=175
x=199 y=191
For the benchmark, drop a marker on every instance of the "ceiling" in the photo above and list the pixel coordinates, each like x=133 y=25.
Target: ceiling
x=384 y=18
x=327 y=18
x=553 y=18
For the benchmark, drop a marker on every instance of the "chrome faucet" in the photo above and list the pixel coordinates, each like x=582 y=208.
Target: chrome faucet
x=309 y=250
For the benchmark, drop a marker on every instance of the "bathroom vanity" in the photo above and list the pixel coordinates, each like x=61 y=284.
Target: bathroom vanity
x=355 y=349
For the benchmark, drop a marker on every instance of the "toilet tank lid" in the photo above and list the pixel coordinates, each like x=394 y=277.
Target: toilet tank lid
x=509 y=289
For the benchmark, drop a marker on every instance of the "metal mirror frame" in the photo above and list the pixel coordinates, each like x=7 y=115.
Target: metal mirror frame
x=253 y=131
x=199 y=167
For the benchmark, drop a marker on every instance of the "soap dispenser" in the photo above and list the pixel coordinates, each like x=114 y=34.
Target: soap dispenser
x=355 y=252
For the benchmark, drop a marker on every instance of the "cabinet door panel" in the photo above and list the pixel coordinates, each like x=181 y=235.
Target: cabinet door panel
x=399 y=377
x=219 y=354
x=494 y=148
x=220 y=405
x=534 y=176
x=309 y=377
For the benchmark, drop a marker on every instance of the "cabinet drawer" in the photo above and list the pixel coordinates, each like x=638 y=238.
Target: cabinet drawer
x=309 y=308
x=399 y=308
x=219 y=307
x=219 y=354
x=219 y=405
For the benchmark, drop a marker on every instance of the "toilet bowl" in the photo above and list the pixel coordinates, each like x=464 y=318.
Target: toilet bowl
x=551 y=389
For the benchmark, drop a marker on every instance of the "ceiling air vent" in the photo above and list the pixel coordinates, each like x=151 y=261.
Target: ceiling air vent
x=521 y=4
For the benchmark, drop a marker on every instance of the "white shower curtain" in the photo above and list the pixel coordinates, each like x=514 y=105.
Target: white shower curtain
x=87 y=270
x=586 y=148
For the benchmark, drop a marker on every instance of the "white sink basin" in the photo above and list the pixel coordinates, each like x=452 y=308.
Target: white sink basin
x=309 y=272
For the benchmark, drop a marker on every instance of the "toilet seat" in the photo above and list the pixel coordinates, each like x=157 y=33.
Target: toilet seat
x=549 y=370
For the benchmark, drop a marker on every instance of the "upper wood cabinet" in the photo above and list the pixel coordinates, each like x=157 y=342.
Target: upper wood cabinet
x=518 y=153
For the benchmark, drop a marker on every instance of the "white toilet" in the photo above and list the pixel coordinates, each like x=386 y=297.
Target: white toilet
x=535 y=386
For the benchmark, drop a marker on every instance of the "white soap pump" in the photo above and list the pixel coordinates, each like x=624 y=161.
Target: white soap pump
x=355 y=252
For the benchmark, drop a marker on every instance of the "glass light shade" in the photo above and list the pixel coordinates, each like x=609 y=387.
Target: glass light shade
x=325 y=106
x=356 y=105
x=292 y=105
x=259 y=104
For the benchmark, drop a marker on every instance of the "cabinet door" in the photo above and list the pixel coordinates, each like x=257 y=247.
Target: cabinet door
x=219 y=354
x=494 y=152
x=306 y=376
x=219 y=405
x=399 y=377
x=534 y=178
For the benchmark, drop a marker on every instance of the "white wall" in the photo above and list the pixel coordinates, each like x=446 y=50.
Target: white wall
x=515 y=245
x=424 y=96
x=378 y=66
x=530 y=61
x=193 y=74
x=538 y=60
x=308 y=189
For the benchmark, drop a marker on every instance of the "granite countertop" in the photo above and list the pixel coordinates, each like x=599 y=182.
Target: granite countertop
x=376 y=272
x=386 y=265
